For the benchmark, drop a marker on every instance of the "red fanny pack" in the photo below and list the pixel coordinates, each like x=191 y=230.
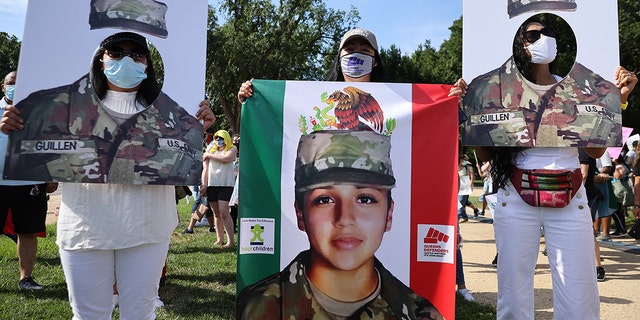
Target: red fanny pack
x=546 y=188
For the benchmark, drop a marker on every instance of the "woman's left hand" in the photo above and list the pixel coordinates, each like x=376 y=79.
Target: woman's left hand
x=625 y=81
x=205 y=114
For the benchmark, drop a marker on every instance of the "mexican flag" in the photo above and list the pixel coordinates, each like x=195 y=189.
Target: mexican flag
x=422 y=122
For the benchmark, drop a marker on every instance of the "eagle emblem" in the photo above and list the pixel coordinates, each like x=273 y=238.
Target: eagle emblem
x=353 y=109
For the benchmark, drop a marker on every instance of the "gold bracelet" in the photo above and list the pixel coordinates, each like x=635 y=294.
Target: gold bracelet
x=623 y=106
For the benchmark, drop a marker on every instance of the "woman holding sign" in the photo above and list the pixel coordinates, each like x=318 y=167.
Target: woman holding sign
x=109 y=232
x=541 y=187
x=345 y=209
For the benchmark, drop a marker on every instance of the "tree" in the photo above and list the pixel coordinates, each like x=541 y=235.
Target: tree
x=295 y=39
x=629 y=35
x=9 y=53
x=397 y=67
x=448 y=67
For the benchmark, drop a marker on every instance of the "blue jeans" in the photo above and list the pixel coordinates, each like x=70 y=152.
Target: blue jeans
x=464 y=201
x=459 y=269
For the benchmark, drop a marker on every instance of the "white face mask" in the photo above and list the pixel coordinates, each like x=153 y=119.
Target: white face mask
x=543 y=51
x=356 y=65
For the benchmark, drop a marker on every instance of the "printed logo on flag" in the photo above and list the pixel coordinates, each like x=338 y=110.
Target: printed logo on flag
x=436 y=243
x=257 y=236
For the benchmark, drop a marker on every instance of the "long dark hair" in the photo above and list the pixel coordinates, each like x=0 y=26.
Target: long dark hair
x=503 y=158
x=520 y=53
x=377 y=73
x=148 y=91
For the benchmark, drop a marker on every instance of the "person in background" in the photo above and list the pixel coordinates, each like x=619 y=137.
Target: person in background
x=460 y=282
x=594 y=196
x=200 y=205
x=116 y=232
x=605 y=206
x=27 y=201
x=218 y=179
x=621 y=180
x=487 y=183
x=630 y=156
x=465 y=188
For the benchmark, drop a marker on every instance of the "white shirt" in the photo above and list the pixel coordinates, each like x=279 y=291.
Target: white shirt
x=549 y=158
x=220 y=174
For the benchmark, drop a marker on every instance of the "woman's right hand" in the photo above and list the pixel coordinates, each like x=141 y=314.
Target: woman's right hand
x=458 y=89
x=11 y=119
x=245 y=91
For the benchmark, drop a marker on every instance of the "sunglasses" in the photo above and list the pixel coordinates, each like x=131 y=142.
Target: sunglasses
x=119 y=54
x=533 y=35
x=219 y=138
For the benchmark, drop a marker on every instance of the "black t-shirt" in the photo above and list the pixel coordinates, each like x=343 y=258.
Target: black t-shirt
x=589 y=185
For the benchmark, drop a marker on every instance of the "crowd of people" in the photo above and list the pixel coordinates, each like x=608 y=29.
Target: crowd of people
x=101 y=245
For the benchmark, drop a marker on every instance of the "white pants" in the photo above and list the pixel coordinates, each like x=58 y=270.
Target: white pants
x=570 y=244
x=90 y=275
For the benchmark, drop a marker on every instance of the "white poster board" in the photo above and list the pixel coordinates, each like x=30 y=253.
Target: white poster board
x=69 y=135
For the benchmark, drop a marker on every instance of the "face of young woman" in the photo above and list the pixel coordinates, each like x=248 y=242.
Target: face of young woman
x=345 y=225
x=358 y=45
x=131 y=48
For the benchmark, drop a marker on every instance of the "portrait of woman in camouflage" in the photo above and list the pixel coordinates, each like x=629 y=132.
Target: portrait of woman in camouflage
x=343 y=182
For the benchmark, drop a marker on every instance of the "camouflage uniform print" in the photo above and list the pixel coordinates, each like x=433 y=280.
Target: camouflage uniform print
x=70 y=137
x=582 y=110
x=146 y=16
x=518 y=7
x=288 y=295
x=330 y=156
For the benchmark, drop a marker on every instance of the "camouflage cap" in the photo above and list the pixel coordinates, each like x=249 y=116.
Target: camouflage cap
x=517 y=7
x=343 y=156
x=146 y=16
x=362 y=33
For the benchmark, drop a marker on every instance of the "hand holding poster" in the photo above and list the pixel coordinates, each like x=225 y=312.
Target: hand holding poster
x=358 y=180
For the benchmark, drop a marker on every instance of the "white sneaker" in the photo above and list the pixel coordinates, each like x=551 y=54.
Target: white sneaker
x=158 y=303
x=115 y=301
x=467 y=294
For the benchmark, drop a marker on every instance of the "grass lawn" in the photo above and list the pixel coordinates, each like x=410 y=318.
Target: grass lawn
x=200 y=281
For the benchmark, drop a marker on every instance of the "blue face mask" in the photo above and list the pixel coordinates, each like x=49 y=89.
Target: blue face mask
x=124 y=73
x=9 y=90
x=220 y=143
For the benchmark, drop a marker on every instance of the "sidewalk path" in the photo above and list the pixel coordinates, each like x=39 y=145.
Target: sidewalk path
x=619 y=293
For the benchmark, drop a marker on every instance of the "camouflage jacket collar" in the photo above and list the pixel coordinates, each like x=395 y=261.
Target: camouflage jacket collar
x=583 y=85
x=396 y=300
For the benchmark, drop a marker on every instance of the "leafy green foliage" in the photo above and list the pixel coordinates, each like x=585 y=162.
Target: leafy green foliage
x=9 y=54
x=259 y=39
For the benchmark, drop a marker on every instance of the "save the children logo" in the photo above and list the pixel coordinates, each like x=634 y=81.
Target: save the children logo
x=350 y=109
x=257 y=236
x=435 y=243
